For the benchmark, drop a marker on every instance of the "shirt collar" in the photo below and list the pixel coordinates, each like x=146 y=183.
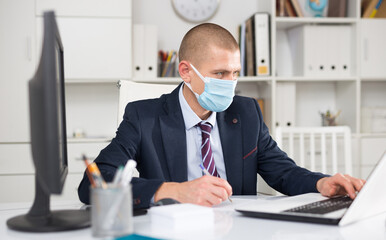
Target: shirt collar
x=190 y=117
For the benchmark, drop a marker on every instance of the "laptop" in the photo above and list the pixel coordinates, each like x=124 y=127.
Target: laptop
x=314 y=208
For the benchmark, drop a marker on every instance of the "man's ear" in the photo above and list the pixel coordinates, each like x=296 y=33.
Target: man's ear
x=183 y=69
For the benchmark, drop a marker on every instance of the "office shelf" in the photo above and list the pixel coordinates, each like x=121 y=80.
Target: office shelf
x=178 y=80
x=290 y=22
x=91 y=81
x=315 y=79
x=89 y=140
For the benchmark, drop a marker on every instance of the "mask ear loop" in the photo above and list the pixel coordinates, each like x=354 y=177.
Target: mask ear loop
x=199 y=74
x=188 y=84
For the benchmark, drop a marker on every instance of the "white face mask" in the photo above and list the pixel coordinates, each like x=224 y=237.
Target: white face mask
x=218 y=94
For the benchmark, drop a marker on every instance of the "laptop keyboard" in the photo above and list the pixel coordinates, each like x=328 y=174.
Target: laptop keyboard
x=324 y=206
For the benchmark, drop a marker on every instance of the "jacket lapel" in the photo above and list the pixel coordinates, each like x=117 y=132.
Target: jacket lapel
x=174 y=138
x=231 y=142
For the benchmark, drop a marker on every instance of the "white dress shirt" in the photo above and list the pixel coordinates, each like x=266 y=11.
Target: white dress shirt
x=194 y=140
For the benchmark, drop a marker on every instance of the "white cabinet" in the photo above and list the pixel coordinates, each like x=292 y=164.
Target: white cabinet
x=96 y=36
x=17 y=172
x=86 y=8
x=373 y=48
x=17 y=66
x=94 y=48
x=372 y=148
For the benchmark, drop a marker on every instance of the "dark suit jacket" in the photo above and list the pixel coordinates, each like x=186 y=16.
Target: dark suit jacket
x=153 y=133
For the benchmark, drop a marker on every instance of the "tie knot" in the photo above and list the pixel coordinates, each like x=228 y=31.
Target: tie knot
x=205 y=127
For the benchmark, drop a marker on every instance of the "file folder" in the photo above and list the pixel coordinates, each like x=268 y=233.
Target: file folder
x=242 y=50
x=286 y=104
x=262 y=44
x=150 y=52
x=144 y=51
x=249 y=48
x=138 y=48
x=322 y=51
x=345 y=46
x=329 y=50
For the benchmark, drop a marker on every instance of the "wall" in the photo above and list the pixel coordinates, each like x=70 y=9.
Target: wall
x=171 y=28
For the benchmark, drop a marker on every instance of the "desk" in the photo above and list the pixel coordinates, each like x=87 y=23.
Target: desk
x=229 y=225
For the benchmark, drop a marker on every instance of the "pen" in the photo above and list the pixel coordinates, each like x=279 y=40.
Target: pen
x=118 y=176
x=123 y=179
x=127 y=172
x=94 y=174
x=92 y=182
x=207 y=173
x=90 y=178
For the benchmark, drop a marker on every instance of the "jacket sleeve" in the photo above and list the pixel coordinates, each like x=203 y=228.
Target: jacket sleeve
x=278 y=170
x=126 y=145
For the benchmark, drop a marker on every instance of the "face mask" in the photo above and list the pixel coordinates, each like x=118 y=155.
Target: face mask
x=218 y=94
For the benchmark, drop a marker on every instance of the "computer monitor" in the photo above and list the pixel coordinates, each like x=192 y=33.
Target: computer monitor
x=48 y=140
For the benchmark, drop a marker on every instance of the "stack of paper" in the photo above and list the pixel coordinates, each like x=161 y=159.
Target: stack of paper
x=182 y=216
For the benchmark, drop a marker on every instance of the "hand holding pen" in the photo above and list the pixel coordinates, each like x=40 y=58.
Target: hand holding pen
x=205 y=171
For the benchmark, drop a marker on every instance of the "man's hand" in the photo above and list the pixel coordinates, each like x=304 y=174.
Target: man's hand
x=340 y=184
x=206 y=191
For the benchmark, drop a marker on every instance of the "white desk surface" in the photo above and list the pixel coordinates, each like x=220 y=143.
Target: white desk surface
x=229 y=225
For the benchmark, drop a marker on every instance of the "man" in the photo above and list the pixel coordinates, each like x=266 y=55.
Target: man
x=202 y=122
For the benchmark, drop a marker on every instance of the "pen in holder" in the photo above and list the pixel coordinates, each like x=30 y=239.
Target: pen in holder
x=112 y=206
x=167 y=64
x=329 y=119
x=112 y=211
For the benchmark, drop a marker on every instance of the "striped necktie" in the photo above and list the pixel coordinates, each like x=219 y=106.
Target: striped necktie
x=206 y=150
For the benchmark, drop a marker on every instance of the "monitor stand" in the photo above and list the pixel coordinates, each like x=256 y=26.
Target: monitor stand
x=41 y=219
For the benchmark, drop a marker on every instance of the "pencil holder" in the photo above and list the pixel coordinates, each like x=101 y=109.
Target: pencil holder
x=111 y=211
x=167 y=69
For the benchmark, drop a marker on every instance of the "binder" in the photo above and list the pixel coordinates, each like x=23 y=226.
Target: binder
x=375 y=10
x=242 y=49
x=289 y=8
x=344 y=47
x=305 y=44
x=381 y=13
x=249 y=48
x=286 y=104
x=144 y=51
x=262 y=44
x=297 y=8
x=329 y=50
x=335 y=50
x=337 y=8
x=150 y=52
x=301 y=51
x=281 y=11
x=313 y=55
x=370 y=8
x=138 y=48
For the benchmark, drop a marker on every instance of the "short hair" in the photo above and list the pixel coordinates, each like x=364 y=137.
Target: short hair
x=197 y=40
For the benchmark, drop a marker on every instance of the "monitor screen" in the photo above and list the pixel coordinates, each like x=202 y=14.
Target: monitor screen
x=48 y=112
x=60 y=103
x=48 y=140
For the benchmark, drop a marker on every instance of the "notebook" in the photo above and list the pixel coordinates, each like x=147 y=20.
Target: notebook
x=370 y=201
